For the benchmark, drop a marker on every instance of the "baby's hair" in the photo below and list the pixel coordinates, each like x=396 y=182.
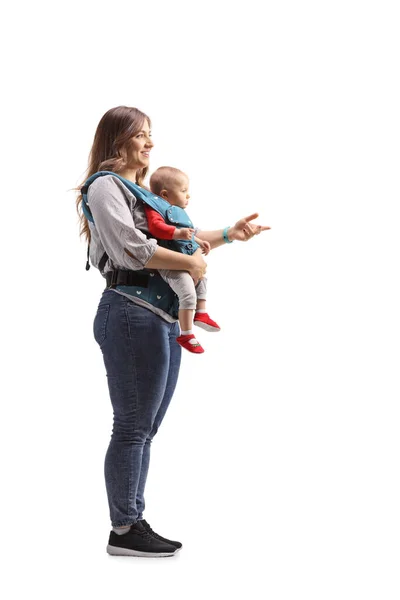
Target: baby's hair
x=162 y=178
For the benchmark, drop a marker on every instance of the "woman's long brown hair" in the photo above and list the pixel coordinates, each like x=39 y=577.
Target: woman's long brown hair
x=110 y=150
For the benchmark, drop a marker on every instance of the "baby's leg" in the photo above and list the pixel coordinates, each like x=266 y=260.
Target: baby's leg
x=201 y=293
x=183 y=286
x=201 y=317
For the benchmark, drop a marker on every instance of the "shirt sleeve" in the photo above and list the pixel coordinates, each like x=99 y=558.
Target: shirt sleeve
x=157 y=226
x=127 y=246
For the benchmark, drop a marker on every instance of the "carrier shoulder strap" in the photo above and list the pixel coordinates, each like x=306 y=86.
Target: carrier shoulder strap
x=88 y=214
x=147 y=197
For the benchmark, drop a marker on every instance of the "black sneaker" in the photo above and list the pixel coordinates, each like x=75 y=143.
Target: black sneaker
x=155 y=535
x=138 y=542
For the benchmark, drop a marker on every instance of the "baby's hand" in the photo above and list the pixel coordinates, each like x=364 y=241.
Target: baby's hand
x=186 y=233
x=205 y=246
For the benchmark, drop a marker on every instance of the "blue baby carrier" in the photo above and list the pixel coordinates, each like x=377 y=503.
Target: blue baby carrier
x=146 y=284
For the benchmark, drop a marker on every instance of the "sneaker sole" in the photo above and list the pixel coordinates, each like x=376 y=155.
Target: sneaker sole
x=206 y=327
x=117 y=551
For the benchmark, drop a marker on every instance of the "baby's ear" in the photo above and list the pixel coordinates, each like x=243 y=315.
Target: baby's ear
x=163 y=194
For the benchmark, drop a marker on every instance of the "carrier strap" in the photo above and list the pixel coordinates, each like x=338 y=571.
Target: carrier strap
x=124 y=277
x=102 y=261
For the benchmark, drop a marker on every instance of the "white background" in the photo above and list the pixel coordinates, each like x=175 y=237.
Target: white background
x=277 y=464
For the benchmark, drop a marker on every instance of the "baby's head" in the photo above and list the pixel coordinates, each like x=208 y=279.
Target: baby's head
x=172 y=185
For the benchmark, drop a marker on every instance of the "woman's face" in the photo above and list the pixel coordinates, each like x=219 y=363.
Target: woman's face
x=141 y=145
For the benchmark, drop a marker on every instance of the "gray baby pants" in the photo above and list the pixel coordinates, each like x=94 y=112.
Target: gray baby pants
x=183 y=286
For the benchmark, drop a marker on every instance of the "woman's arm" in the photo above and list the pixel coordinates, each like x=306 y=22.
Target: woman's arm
x=168 y=259
x=242 y=231
x=126 y=246
x=214 y=238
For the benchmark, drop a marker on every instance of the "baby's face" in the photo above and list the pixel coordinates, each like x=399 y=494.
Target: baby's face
x=178 y=192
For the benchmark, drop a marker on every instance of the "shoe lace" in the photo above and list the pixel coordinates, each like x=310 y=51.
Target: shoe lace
x=149 y=530
x=146 y=535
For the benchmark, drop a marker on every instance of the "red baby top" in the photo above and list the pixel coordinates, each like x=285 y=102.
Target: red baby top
x=157 y=225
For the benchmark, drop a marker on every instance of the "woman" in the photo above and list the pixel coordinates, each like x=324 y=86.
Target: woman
x=137 y=336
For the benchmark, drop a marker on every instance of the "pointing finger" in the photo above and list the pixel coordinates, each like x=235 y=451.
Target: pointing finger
x=251 y=217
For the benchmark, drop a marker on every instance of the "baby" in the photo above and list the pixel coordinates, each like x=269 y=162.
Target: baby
x=173 y=186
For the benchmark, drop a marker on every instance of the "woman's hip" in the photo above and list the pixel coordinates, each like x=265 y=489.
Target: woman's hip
x=127 y=332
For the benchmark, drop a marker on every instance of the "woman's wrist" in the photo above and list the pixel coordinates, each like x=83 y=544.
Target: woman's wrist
x=225 y=235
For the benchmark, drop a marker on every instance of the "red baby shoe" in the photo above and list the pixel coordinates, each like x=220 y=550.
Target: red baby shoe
x=190 y=343
x=203 y=320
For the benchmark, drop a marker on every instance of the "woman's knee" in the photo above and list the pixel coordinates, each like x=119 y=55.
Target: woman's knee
x=126 y=429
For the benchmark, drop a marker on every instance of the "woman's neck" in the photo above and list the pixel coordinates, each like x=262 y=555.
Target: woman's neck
x=129 y=174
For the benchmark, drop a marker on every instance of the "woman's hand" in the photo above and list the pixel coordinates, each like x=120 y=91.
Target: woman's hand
x=243 y=230
x=199 y=266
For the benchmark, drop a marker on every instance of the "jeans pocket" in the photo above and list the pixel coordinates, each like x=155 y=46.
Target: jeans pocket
x=100 y=323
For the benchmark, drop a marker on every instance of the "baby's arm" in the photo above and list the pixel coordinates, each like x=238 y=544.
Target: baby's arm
x=185 y=233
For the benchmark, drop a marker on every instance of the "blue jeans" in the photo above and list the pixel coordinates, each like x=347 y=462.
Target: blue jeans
x=142 y=360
